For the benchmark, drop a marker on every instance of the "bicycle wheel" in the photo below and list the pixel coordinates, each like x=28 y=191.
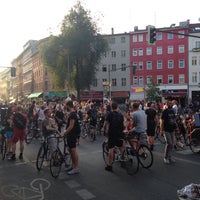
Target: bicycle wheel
x=91 y=135
x=105 y=151
x=3 y=148
x=29 y=136
x=56 y=163
x=40 y=158
x=195 y=145
x=145 y=156
x=132 y=161
x=83 y=132
x=68 y=160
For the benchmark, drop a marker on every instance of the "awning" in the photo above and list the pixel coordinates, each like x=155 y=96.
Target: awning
x=56 y=94
x=120 y=94
x=35 y=95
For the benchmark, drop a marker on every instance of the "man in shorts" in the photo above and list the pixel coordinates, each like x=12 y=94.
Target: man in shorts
x=114 y=126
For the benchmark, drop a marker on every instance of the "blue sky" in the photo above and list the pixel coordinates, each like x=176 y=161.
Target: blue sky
x=22 y=20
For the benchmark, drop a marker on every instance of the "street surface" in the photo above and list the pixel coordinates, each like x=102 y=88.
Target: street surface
x=20 y=180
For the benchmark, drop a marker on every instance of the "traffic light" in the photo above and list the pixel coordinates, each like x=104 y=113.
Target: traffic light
x=151 y=34
x=13 y=72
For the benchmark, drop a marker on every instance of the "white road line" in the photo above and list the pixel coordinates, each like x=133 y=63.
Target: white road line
x=85 y=194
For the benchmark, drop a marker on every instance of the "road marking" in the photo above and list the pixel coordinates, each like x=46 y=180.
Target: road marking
x=85 y=194
x=72 y=184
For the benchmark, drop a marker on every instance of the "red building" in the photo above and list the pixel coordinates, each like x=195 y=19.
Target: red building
x=165 y=61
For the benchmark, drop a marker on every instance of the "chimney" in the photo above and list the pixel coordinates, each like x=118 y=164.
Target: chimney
x=112 y=31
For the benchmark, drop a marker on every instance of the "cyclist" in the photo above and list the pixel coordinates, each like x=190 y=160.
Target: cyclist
x=71 y=132
x=139 y=123
x=49 y=129
x=113 y=127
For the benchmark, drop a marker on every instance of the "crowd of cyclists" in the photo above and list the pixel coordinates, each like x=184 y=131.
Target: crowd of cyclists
x=61 y=117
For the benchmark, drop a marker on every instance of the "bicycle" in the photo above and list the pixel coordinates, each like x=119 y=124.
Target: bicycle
x=145 y=154
x=43 y=154
x=3 y=145
x=59 y=157
x=194 y=139
x=33 y=132
x=158 y=135
x=130 y=156
x=88 y=130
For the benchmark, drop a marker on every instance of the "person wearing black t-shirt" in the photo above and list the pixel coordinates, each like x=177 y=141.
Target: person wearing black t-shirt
x=168 y=126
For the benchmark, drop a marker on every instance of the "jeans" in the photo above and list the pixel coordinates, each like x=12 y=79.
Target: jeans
x=169 y=138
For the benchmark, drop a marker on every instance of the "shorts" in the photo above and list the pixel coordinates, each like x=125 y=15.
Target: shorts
x=9 y=134
x=71 y=141
x=18 y=134
x=114 y=141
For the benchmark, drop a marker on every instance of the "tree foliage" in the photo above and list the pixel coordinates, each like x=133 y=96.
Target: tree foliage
x=153 y=93
x=76 y=51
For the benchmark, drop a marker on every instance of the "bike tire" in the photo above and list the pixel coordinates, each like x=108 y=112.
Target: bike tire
x=195 y=145
x=105 y=152
x=29 y=136
x=132 y=162
x=145 y=156
x=68 y=160
x=56 y=163
x=40 y=158
x=91 y=135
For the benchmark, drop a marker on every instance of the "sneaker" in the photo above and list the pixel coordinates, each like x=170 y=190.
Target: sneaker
x=108 y=168
x=73 y=171
x=21 y=156
x=167 y=161
x=12 y=157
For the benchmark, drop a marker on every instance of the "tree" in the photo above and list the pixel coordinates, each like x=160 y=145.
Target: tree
x=78 y=49
x=153 y=93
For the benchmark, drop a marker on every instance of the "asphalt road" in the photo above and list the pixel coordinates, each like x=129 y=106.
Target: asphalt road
x=19 y=180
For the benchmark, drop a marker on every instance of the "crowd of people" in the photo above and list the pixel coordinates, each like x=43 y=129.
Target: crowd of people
x=64 y=118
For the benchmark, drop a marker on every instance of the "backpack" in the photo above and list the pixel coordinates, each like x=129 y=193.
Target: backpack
x=19 y=121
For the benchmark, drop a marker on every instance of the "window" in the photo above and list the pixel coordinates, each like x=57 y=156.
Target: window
x=197 y=44
x=140 y=38
x=94 y=82
x=181 y=49
x=123 y=39
x=149 y=51
x=194 y=77
x=134 y=38
x=113 y=53
x=158 y=36
x=140 y=52
x=170 y=64
x=181 y=78
x=123 y=53
x=114 y=82
x=159 y=64
x=149 y=78
x=194 y=60
x=141 y=80
x=123 y=67
x=140 y=66
x=135 y=80
x=170 y=50
x=181 y=36
x=134 y=52
x=170 y=36
x=181 y=63
x=170 y=79
x=113 y=67
x=159 y=79
x=104 y=68
x=149 y=65
x=159 y=50
x=112 y=40
x=123 y=81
